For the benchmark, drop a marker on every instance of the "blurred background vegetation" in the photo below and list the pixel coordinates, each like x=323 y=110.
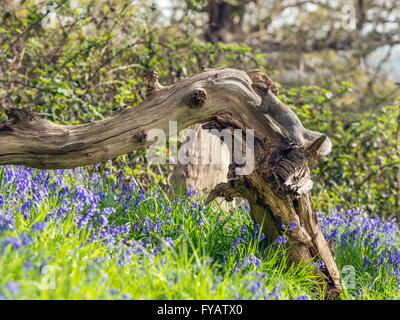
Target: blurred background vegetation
x=337 y=64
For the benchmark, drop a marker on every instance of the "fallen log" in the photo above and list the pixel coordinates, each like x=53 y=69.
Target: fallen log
x=277 y=189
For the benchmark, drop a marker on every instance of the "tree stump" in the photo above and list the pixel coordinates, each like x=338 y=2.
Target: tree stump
x=199 y=176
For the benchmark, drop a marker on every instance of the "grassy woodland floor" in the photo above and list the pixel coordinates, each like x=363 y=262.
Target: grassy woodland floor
x=71 y=234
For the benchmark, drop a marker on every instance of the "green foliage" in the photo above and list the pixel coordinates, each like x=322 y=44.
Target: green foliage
x=80 y=68
x=196 y=5
x=363 y=168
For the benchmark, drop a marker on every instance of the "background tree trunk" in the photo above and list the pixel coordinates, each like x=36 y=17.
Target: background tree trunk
x=219 y=21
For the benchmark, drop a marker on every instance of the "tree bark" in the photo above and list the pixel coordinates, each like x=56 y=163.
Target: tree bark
x=278 y=189
x=201 y=176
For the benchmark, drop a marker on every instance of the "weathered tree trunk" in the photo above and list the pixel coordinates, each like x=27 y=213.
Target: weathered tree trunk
x=199 y=175
x=278 y=189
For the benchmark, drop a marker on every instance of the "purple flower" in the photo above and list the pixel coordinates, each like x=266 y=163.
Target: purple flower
x=13 y=287
x=190 y=193
x=113 y=291
x=6 y=221
x=194 y=205
x=26 y=207
x=255 y=286
x=139 y=199
x=13 y=241
x=244 y=231
x=303 y=297
x=280 y=240
x=254 y=260
x=163 y=261
x=258 y=234
x=23 y=182
x=246 y=262
x=85 y=196
x=26 y=240
x=28 y=265
x=83 y=221
x=276 y=292
x=169 y=241
x=108 y=211
x=124 y=228
x=63 y=210
x=320 y=264
x=103 y=220
x=39 y=226
x=293 y=225
x=126 y=296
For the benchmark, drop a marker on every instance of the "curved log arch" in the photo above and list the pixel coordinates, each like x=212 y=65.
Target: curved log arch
x=278 y=189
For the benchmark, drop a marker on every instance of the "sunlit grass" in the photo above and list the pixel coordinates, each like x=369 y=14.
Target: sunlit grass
x=71 y=235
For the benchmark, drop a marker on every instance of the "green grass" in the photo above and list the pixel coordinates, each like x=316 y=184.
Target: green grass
x=174 y=250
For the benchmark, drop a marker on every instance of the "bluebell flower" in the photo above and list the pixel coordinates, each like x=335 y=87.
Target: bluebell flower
x=254 y=260
x=13 y=241
x=26 y=207
x=293 y=225
x=243 y=229
x=26 y=240
x=109 y=210
x=280 y=240
x=168 y=211
x=163 y=261
x=6 y=221
x=13 y=287
x=83 y=221
x=190 y=193
x=28 y=265
x=258 y=234
x=169 y=241
x=139 y=199
x=103 y=220
x=255 y=286
x=276 y=292
x=39 y=226
x=114 y=291
x=194 y=205
x=23 y=182
x=126 y=296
